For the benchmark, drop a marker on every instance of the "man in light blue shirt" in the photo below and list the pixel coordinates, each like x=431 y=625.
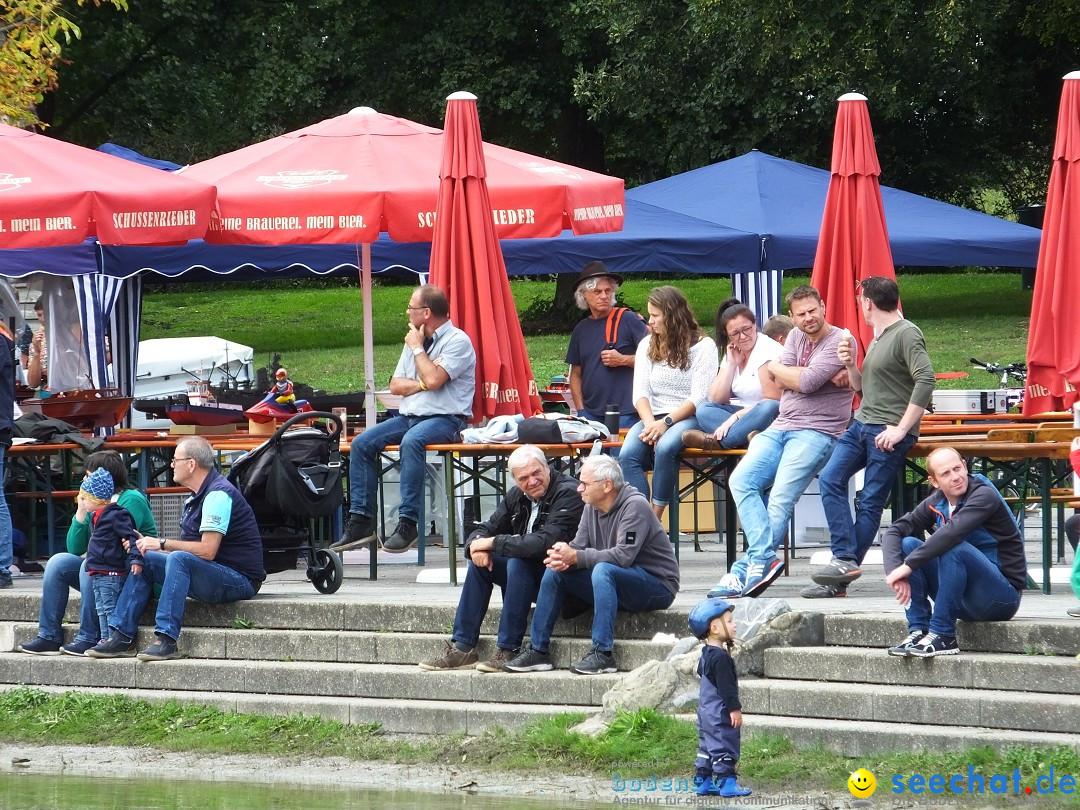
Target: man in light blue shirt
x=436 y=380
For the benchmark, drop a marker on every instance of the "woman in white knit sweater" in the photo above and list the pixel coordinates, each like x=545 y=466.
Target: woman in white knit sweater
x=672 y=371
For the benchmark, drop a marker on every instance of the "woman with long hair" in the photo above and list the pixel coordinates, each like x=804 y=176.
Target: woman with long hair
x=672 y=371
x=66 y=571
x=743 y=397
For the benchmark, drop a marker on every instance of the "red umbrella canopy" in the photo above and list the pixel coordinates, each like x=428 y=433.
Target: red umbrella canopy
x=346 y=179
x=1053 y=352
x=54 y=193
x=854 y=242
x=467 y=262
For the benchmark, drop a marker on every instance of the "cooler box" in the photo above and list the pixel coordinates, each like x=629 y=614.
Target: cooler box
x=967 y=401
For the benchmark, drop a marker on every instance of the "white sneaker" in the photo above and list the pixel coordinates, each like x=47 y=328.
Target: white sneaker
x=729 y=587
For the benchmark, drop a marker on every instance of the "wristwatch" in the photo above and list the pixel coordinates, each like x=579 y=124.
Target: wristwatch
x=668 y=421
x=161 y=543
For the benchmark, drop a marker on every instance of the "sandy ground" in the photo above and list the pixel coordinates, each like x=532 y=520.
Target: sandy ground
x=561 y=789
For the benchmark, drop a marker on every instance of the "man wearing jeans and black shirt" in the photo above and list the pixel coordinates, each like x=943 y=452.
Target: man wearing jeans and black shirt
x=972 y=564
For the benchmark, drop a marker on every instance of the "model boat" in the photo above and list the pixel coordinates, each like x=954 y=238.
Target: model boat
x=88 y=409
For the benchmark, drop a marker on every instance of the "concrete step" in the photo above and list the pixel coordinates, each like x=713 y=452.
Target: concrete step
x=394 y=716
x=862 y=738
x=309 y=678
x=337 y=614
x=923 y=705
x=1025 y=636
x=347 y=646
x=999 y=671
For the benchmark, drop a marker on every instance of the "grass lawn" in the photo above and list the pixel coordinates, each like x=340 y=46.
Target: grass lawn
x=318 y=328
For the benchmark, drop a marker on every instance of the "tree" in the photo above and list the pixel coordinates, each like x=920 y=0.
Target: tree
x=32 y=36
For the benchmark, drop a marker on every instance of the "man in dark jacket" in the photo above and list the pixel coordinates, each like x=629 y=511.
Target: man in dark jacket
x=508 y=550
x=972 y=564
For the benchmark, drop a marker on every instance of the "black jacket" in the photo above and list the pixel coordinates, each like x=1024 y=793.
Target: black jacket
x=560 y=513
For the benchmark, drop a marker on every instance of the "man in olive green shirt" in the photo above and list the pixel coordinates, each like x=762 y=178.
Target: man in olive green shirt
x=896 y=383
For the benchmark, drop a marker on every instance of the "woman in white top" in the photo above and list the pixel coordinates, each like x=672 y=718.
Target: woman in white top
x=743 y=398
x=672 y=370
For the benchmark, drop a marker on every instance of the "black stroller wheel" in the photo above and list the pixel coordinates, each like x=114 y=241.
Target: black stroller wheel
x=327 y=573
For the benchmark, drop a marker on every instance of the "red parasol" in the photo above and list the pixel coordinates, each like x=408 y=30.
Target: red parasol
x=54 y=193
x=854 y=242
x=346 y=179
x=467 y=263
x=1053 y=351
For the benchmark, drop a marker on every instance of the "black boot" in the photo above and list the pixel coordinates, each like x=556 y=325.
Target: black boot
x=359 y=531
x=403 y=538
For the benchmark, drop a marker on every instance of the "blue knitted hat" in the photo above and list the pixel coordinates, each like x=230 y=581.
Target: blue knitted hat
x=99 y=484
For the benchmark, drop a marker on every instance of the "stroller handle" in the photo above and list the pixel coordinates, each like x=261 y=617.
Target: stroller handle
x=310 y=416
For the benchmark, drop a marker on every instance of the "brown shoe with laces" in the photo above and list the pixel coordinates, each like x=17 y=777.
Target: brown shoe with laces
x=495 y=663
x=700 y=440
x=453 y=658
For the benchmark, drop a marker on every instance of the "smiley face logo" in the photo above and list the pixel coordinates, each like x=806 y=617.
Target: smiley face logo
x=862 y=784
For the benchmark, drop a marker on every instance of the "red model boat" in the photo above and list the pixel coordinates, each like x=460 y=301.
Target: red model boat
x=90 y=409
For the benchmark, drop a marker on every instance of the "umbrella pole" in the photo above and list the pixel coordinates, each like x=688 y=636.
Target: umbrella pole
x=369 y=342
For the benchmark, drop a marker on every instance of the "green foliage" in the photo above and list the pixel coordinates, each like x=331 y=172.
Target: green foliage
x=241 y=623
x=963 y=315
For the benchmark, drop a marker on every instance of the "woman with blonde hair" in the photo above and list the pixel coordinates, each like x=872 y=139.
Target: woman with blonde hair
x=673 y=368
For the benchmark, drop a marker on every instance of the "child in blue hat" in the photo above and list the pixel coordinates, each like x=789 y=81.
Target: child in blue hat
x=719 y=713
x=107 y=562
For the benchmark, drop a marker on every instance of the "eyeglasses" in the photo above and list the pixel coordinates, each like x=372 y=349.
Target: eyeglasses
x=741 y=333
x=411 y=308
x=587 y=484
x=181 y=458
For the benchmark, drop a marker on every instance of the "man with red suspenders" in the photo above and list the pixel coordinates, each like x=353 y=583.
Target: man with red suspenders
x=602 y=346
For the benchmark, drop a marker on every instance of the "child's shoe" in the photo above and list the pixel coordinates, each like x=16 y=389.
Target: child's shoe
x=729 y=787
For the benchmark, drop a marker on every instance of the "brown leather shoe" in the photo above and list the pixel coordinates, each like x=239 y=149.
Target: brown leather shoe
x=700 y=440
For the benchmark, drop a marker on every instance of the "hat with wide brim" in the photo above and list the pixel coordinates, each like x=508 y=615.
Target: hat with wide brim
x=593 y=270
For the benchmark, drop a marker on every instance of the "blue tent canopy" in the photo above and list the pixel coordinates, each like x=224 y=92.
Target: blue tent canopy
x=783 y=202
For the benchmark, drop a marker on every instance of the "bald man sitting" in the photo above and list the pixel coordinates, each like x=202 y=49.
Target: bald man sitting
x=971 y=564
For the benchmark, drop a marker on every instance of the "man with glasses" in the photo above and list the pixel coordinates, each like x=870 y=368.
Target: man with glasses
x=217 y=558
x=436 y=380
x=620 y=559
x=602 y=348
x=896 y=383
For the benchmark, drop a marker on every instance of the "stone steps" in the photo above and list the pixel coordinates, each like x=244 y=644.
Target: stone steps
x=309 y=678
x=346 y=646
x=1023 y=636
x=862 y=738
x=923 y=705
x=994 y=671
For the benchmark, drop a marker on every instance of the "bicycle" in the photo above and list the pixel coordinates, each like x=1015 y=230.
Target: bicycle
x=1013 y=380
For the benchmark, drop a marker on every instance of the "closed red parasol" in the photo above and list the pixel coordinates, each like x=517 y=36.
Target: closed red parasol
x=54 y=193
x=467 y=263
x=854 y=242
x=1053 y=351
x=351 y=177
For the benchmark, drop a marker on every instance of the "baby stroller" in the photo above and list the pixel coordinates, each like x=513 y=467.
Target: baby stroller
x=292 y=477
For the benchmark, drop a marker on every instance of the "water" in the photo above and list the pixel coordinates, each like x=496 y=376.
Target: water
x=33 y=791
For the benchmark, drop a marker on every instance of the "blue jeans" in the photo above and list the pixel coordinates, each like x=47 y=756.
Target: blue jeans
x=63 y=572
x=787 y=461
x=519 y=580
x=964 y=583
x=854 y=451
x=5 y=527
x=608 y=588
x=635 y=457
x=106 y=591
x=412 y=434
x=711 y=415
x=181 y=574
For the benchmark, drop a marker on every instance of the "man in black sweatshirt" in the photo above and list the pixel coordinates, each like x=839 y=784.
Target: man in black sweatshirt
x=972 y=564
